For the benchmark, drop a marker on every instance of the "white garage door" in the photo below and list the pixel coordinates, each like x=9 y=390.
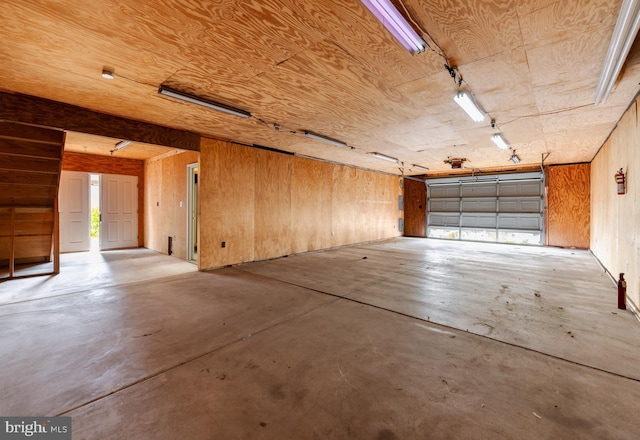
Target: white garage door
x=506 y=208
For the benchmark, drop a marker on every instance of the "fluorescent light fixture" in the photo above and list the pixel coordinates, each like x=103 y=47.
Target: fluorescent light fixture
x=120 y=145
x=499 y=141
x=465 y=100
x=419 y=167
x=622 y=39
x=325 y=139
x=395 y=23
x=514 y=157
x=385 y=157
x=107 y=74
x=193 y=99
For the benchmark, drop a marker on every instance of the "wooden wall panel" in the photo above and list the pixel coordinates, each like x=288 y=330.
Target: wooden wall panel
x=166 y=202
x=272 y=205
x=154 y=219
x=568 y=205
x=265 y=204
x=415 y=208
x=90 y=163
x=227 y=196
x=615 y=235
x=166 y=195
x=311 y=195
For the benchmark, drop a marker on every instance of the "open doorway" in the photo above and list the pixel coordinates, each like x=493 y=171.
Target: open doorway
x=192 y=213
x=98 y=211
x=94 y=181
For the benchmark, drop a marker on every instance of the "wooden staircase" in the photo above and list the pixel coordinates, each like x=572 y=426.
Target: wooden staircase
x=30 y=166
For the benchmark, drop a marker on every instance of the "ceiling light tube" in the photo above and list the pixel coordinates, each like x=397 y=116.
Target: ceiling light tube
x=192 y=99
x=395 y=23
x=498 y=139
x=325 y=139
x=622 y=39
x=122 y=144
x=465 y=100
x=419 y=167
x=385 y=157
x=514 y=157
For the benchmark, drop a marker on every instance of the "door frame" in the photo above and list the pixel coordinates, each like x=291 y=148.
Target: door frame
x=192 y=212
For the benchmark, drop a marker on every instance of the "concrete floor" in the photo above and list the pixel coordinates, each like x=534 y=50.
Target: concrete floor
x=403 y=339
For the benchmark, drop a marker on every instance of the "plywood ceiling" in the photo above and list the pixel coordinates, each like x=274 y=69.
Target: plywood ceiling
x=328 y=66
x=104 y=146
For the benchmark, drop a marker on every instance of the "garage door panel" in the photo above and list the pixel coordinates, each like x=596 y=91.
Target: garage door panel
x=520 y=221
x=444 y=219
x=444 y=191
x=479 y=205
x=520 y=188
x=525 y=204
x=444 y=205
x=478 y=221
x=479 y=190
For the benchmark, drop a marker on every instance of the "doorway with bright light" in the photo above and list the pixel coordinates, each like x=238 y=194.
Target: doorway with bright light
x=98 y=211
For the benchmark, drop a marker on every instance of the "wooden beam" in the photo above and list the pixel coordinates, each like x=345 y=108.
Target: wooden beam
x=43 y=112
x=12 y=256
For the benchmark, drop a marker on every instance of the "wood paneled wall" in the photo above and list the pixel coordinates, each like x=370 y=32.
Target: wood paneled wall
x=264 y=204
x=166 y=202
x=415 y=208
x=90 y=163
x=568 y=205
x=615 y=219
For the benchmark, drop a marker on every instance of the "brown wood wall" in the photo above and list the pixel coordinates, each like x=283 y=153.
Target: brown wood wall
x=165 y=192
x=264 y=204
x=568 y=205
x=415 y=208
x=90 y=163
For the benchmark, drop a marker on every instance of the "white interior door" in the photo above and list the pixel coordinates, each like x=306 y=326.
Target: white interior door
x=74 y=209
x=119 y=211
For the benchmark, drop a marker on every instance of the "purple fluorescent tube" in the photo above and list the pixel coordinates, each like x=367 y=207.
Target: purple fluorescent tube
x=395 y=23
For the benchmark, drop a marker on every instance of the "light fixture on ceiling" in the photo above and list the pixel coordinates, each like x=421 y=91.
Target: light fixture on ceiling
x=325 y=139
x=120 y=145
x=622 y=39
x=465 y=100
x=385 y=157
x=498 y=139
x=514 y=157
x=419 y=167
x=193 y=99
x=107 y=74
x=395 y=23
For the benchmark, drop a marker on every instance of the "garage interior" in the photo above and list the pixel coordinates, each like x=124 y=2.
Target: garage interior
x=300 y=232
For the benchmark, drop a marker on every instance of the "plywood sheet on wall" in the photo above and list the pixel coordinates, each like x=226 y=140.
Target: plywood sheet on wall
x=227 y=197
x=90 y=163
x=311 y=195
x=415 y=208
x=615 y=235
x=569 y=205
x=272 y=205
x=364 y=205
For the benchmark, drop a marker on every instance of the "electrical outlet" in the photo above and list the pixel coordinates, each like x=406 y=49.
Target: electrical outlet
x=224 y=244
